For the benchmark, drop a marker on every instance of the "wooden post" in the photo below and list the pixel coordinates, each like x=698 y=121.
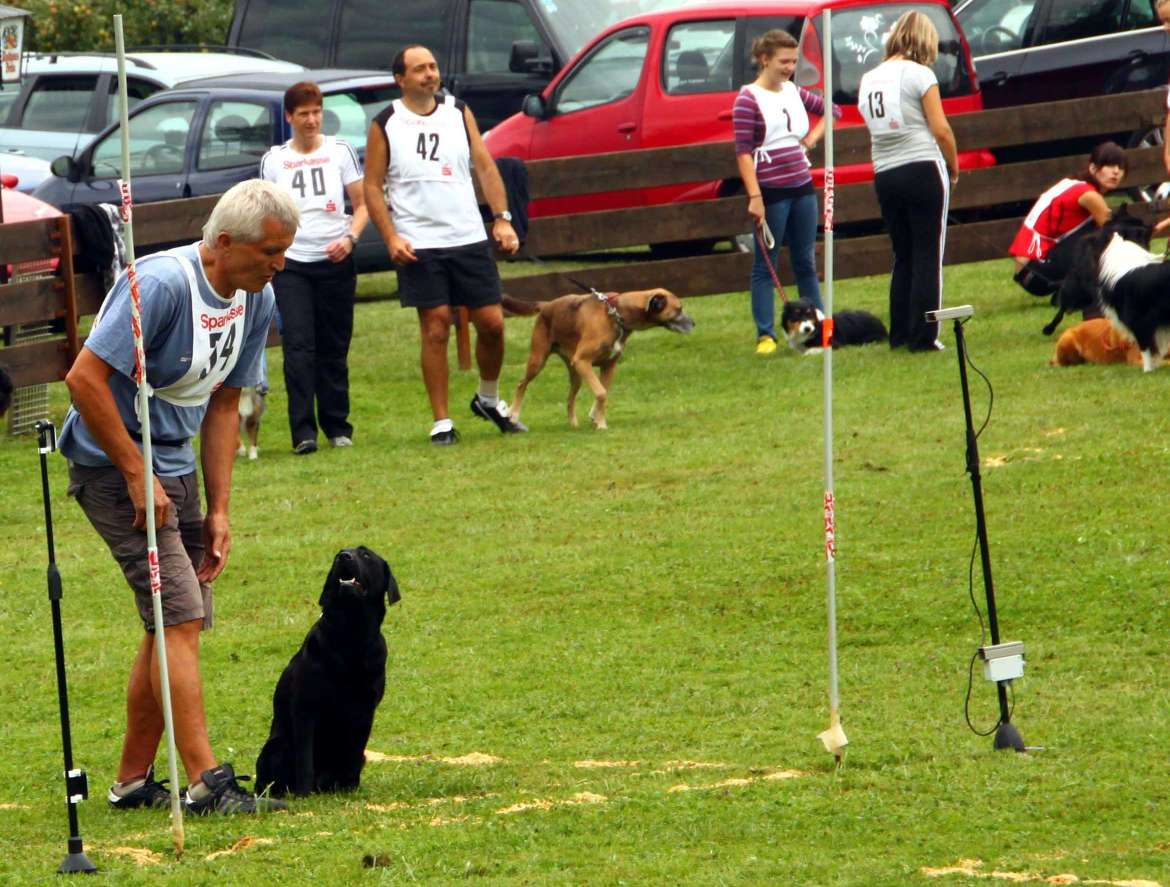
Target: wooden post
x=65 y=275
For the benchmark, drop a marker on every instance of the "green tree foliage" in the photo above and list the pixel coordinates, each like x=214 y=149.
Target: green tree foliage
x=88 y=25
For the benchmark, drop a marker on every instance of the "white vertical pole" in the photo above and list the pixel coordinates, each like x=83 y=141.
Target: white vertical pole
x=160 y=642
x=834 y=737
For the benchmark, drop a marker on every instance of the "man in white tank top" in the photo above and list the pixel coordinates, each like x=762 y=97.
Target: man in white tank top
x=422 y=150
x=206 y=310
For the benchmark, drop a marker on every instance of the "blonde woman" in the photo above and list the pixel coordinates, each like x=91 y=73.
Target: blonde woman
x=772 y=136
x=914 y=161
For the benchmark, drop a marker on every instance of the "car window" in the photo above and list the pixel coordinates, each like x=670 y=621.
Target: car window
x=757 y=26
x=286 y=30
x=610 y=72
x=492 y=27
x=693 y=54
x=995 y=26
x=7 y=99
x=348 y=114
x=158 y=136
x=1078 y=19
x=1141 y=15
x=234 y=134
x=858 y=33
x=60 y=104
x=138 y=89
x=362 y=35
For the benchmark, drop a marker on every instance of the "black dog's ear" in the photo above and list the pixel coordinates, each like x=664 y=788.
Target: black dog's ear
x=392 y=595
x=656 y=304
x=328 y=592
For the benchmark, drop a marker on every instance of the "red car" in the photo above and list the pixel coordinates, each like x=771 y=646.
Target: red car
x=669 y=78
x=20 y=207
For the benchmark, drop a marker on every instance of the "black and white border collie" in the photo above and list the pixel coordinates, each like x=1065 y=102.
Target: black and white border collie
x=1080 y=289
x=802 y=323
x=1135 y=293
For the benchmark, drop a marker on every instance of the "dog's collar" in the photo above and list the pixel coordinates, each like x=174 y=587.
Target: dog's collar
x=609 y=300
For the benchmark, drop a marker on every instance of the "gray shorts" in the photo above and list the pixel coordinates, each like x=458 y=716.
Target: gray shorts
x=102 y=495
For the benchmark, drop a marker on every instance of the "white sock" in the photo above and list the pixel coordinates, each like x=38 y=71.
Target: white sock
x=489 y=392
x=121 y=789
x=442 y=425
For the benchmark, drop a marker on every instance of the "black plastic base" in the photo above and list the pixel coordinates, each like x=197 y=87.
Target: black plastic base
x=1007 y=736
x=76 y=862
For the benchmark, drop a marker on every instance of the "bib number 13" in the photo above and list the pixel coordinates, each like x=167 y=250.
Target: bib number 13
x=877 y=107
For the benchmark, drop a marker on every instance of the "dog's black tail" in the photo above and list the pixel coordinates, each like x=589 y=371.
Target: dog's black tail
x=1050 y=328
x=519 y=307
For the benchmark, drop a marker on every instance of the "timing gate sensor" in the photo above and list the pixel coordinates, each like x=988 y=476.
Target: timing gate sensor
x=1003 y=662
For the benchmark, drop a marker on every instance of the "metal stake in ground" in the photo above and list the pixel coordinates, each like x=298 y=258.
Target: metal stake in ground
x=833 y=738
x=76 y=784
x=160 y=642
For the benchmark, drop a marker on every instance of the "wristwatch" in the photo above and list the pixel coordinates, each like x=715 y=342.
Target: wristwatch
x=352 y=240
x=505 y=215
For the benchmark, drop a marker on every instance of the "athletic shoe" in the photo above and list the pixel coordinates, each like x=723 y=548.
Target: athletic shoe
x=226 y=795
x=497 y=414
x=305 y=447
x=445 y=438
x=341 y=441
x=765 y=345
x=936 y=345
x=149 y=794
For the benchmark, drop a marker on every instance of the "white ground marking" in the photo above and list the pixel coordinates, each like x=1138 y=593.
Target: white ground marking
x=545 y=804
x=140 y=855
x=971 y=868
x=588 y=765
x=243 y=844
x=14 y=806
x=472 y=759
x=736 y=782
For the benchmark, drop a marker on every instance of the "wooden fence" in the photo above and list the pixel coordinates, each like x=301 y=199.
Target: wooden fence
x=70 y=296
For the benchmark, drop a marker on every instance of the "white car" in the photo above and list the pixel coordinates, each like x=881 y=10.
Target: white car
x=28 y=172
x=64 y=99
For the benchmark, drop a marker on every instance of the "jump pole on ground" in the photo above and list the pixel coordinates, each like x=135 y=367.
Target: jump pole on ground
x=834 y=737
x=160 y=643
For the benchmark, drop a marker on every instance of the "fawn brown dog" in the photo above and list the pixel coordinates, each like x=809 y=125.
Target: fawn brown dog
x=588 y=331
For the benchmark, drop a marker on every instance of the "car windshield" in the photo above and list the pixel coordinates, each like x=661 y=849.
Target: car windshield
x=576 y=22
x=858 y=35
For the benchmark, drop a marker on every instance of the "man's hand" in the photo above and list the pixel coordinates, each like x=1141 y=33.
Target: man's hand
x=162 y=502
x=338 y=250
x=401 y=252
x=217 y=544
x=505 y=236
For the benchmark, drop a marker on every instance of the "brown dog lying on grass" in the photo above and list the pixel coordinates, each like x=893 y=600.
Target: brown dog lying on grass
x=588 y=331
x=1095 y=341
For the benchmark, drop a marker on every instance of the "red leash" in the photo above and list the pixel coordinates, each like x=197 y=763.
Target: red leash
x=768 y=262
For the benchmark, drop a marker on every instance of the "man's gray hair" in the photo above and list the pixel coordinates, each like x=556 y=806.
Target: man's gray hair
x=240 y=213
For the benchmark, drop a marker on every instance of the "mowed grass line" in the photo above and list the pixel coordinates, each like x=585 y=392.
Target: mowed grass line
x=654 y=594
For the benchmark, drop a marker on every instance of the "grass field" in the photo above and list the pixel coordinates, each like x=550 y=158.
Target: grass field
x=609 y=663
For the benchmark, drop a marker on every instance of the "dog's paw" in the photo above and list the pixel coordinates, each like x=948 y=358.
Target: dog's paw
x=253 y=453
x=241 y=450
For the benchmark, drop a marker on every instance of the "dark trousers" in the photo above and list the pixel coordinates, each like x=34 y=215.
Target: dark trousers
x=316 y=317
x=913 y=199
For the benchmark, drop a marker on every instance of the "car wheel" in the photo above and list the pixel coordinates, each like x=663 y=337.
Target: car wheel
x=1151 y=138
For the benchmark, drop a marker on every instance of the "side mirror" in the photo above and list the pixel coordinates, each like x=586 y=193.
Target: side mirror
x=66 y=167
x=533 y=107
x=525 y=58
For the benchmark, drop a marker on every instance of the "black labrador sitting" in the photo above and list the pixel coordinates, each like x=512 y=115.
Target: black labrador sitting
x=324 y=704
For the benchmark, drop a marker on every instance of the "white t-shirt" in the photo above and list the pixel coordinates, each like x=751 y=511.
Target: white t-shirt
x=317 y=182
x=432 y=197
x=890 y=100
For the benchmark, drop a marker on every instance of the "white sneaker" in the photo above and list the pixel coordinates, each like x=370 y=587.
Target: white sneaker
x=341 y=441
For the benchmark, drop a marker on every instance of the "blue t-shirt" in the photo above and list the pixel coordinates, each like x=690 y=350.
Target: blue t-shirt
x=167 y=332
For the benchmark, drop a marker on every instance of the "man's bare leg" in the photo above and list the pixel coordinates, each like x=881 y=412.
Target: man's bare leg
x=434 y=329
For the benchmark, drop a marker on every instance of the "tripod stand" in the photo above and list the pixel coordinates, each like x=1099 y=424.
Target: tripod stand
x=1006 y=734
x=76 y=783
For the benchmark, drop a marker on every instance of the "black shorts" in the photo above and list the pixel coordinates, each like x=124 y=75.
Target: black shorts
x=458 y=275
